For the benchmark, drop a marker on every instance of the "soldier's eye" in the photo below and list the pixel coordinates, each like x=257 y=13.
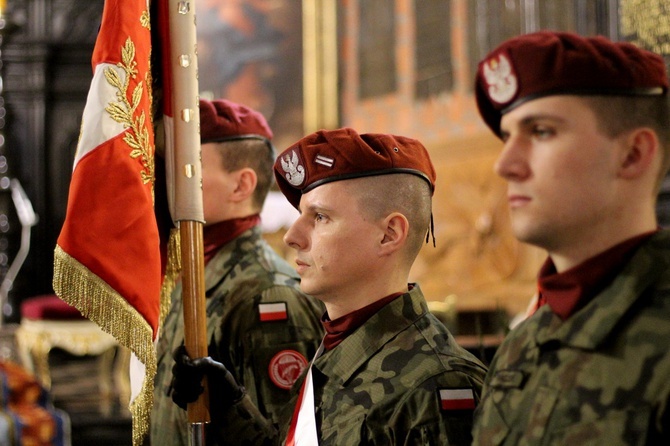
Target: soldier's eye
x=543 y=132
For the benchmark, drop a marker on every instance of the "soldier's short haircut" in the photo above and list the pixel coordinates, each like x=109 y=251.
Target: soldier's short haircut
x=407 y=194
x=255 y=154
x=619 y=114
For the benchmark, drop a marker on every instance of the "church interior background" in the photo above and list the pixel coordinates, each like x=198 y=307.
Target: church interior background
x=395 y=66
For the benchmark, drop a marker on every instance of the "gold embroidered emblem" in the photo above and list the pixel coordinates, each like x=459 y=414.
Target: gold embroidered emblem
x=124 y=111
x=145 y=20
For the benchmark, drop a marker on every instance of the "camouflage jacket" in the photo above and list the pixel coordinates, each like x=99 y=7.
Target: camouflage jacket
x=259 y=324
x=382 y=384
x=388 y=383
x=600 y=377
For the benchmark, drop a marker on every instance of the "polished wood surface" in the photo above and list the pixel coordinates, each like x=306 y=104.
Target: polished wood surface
x=195 y=318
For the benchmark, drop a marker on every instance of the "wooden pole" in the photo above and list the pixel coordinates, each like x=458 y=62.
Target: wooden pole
x=187 y=183
x=195 y=319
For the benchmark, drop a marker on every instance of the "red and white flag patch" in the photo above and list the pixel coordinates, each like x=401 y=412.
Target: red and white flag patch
x=273 y=312
x=457 y=399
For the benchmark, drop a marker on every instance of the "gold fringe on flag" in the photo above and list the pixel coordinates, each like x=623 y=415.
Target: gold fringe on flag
x=97 y=301
x=172 y=272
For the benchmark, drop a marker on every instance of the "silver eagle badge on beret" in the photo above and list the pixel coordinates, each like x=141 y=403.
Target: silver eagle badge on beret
x=294 y=171
x=501 y=80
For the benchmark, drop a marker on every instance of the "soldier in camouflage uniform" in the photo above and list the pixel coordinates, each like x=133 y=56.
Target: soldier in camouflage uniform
x=388 y=372
x=259 y=323
x=586 y=133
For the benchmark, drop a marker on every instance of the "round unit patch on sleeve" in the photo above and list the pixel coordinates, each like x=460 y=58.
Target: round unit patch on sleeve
x=285 y=368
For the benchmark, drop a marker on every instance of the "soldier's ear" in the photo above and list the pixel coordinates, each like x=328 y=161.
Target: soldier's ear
x=245 y=184
x=395 y=229
x=640 y=148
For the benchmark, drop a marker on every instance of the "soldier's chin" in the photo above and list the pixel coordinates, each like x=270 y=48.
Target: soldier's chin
x=307 y=287
x=304 y=286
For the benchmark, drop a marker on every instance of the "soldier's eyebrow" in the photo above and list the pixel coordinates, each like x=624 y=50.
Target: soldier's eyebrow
x=541 y=117
x=318 y=208
x=531 y=119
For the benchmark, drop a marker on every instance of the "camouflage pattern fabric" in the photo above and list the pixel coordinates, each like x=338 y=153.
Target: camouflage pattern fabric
x=244 y=277
x=602 y=377
x=381 y=386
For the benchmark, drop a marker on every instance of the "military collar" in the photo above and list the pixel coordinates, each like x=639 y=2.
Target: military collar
x=219 y=234
x=591 y=325
x=569 y=291
x=345 y=359
x=220 y=266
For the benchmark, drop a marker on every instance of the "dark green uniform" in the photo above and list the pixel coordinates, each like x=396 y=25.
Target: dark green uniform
x=600 y=377
x=382 y=384
x=394 y=381
x=260 y=325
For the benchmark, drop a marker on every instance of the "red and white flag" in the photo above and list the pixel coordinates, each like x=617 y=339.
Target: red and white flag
x=272 y=312
x=107 y=261
x=457 y=399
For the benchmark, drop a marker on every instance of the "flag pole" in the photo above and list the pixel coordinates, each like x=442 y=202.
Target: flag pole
x=188 y=193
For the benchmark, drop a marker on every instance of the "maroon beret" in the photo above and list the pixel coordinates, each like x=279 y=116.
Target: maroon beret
x=334 y=155
x=550 y=63
x=223 y=120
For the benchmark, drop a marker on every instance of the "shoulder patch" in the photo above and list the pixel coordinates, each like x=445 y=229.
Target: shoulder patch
x=276 y=311
x=285 y=368
x=456 y=399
